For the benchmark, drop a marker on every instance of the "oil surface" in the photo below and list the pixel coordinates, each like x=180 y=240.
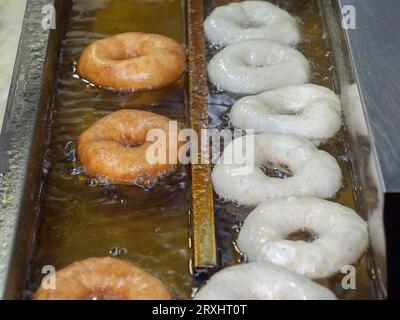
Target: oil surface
x=228 y=216
x=80 y=217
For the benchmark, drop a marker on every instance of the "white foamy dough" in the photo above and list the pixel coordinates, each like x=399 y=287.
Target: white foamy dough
x=308 y=110
x=315 y=172
x=261 y=281
x=255 y=66
x=342 y=236
x=237 y=22
x=11 y=18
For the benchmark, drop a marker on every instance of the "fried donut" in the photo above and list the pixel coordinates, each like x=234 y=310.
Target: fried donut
x=314 y=172
x=104 y=279
x=308 y=110
x=132 y=61
x=340 y=236
x=261 y=281
x=114 y=149
x=248 y=20
x=255 y=66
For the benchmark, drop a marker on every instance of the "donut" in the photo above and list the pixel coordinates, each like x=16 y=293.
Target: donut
x=114 y=149
x=308 y=110
x=248 y=20
x=314 y=172
x=132 y=61
x=340 y=236
x=255 y=66
x=261 y=281
x=104 y=279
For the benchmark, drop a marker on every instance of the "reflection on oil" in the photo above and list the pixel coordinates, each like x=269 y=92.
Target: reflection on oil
x=81 y=218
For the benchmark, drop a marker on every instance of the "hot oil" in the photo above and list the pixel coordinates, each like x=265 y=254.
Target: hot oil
x=82 y=218
x=228 y=216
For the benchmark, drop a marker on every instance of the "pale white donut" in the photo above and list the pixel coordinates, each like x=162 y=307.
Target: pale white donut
x=308 y=110
x=255 y=66
x=261 y=281
x=342 y=236
x=248 y=20
x=315 y=172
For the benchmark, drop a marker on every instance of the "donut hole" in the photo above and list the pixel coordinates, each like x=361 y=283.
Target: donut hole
x=253 y=61
x=250 y=24
x=306 y=235
x=134 y=144
x=276 y=170
x=285 y=111
x=129 y=142
x=290 y=112
x=124 y=55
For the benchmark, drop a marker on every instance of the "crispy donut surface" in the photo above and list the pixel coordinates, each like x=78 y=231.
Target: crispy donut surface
x=114 y=149
x=104 y=279
x=132 y=61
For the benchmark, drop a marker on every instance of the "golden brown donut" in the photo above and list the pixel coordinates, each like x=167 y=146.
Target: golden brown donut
x=114 y=148
x=104 y=279
x=132 y=61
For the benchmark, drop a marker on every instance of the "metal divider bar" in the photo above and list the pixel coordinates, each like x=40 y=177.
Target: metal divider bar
x=202 y=216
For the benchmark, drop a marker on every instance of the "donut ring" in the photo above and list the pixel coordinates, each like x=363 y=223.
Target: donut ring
x=105 y=149
x=342 y=236
x=248 y=20
x=261 y=281
x=132 y=61
x=105 y=279
x=255 y=66
x=308 y=110
x=315 y=172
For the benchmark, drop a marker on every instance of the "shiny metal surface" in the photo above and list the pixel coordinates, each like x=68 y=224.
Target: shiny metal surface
x=202 y=215
x=22 y=144
x=368 y=71
x=374 y=49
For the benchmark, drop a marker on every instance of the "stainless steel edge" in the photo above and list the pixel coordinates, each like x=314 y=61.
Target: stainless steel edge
x=365 y=118
x=23 y=112
x=373 y=46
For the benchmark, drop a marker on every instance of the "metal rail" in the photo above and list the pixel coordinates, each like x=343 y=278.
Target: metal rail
x=202 y=215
